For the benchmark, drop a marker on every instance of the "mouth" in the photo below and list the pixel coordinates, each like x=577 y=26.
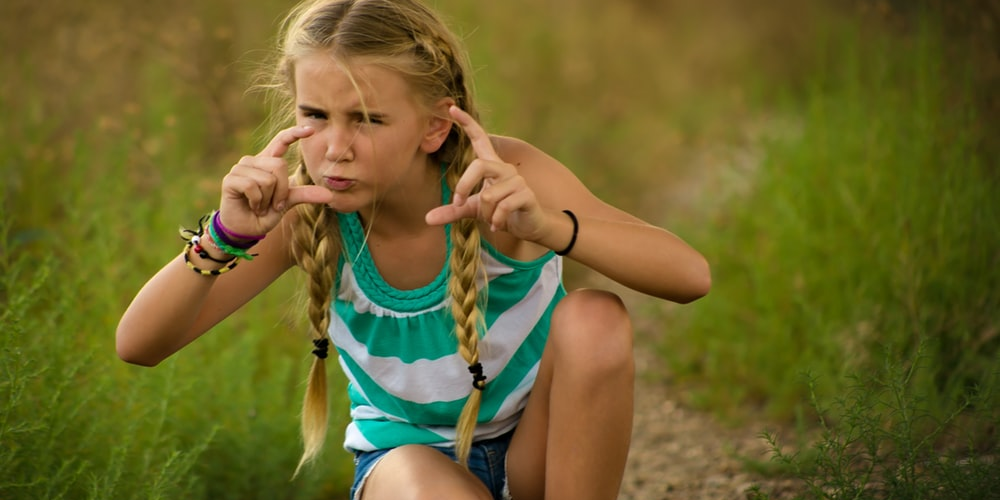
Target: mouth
x=338 y=183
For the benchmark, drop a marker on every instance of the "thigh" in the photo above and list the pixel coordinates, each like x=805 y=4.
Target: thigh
x=413 y=472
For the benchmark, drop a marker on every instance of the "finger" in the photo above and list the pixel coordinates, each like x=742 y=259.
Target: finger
x=481 y=142
x=499 y=193
x=298 y=195
x=261 y=173
x=277 y=184
x=238 y=186
x=283 y=140
x=472 y=176
x=447 y=214
x=508 y=208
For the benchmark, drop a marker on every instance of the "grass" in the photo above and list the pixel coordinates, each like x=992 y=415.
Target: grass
x=863 y=218
x=883 y=440
x=870 y=223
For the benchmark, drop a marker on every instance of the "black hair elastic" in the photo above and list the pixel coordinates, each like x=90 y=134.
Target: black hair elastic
x=321 y=347
x=576 y=229
x=478 y=379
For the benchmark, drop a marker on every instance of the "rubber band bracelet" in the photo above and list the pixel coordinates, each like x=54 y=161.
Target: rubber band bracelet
x=226 y=246
x=217 y=222
x=220 y=236
x=576 y=229
x=207 y=272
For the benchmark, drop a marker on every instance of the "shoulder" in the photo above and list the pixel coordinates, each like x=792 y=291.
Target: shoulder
x=549 y=178
x=519 y=152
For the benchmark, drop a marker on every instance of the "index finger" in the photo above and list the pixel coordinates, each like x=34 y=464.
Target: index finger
x=283 y=140
x=481 y=143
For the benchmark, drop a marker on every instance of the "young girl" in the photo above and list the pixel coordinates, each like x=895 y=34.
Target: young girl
x=434 y=255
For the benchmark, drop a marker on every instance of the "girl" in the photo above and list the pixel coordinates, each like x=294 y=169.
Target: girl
x=434 y=255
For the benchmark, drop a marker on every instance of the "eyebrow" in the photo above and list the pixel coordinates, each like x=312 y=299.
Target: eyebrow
x=310 y=109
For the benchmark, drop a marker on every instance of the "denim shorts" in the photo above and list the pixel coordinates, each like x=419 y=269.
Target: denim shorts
x=487 y=460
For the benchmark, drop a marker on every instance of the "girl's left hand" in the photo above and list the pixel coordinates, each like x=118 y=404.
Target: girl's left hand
x=505 y=202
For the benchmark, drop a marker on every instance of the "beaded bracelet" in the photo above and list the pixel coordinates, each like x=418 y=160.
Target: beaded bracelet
x=200 y=250
x=207 y=272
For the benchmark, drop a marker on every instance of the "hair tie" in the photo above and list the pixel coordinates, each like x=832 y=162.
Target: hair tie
x=478 y=379
x=321 y=347
x=576 y=228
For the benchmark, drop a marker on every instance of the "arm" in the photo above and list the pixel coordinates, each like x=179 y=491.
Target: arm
x=178 y=305
x=641 y=256
x=524 y=192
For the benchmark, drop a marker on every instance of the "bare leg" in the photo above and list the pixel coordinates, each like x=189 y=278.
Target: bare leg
x=415 y=472
x=573 y=439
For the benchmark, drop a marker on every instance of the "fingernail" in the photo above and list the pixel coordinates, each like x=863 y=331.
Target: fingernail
x=280 y=207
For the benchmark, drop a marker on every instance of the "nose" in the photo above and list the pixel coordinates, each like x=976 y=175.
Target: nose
x=340 y=143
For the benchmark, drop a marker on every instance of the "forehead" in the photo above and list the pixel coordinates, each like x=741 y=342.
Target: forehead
x=322 y=79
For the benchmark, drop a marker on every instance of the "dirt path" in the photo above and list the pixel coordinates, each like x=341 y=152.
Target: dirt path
x=678 y=452
x=681 y=453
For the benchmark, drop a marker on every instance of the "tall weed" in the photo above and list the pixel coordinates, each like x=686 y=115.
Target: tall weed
x=871 y=223
x=880 y=439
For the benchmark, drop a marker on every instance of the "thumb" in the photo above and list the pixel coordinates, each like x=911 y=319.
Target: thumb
x=450 y=213
x=298 y=195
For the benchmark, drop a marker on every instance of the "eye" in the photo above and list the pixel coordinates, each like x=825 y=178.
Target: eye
x=371 y=119
x=312 y=113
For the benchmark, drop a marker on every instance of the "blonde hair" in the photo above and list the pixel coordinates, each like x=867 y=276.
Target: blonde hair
x=405 y=36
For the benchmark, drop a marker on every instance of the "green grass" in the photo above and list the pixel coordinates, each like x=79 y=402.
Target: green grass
x=880 y=440
x=872 y=223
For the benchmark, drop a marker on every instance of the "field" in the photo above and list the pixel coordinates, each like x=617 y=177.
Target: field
x=835 y=161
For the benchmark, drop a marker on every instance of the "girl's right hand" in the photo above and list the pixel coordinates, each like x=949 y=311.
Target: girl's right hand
x=258 y=191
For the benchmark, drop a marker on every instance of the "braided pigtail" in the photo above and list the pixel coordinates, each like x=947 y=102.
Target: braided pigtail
x=465 y=268
x=315 y=242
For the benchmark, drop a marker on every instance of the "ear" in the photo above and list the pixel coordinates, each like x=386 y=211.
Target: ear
x=438 y=126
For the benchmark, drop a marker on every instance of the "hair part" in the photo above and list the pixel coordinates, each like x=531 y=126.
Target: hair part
x=408 y=37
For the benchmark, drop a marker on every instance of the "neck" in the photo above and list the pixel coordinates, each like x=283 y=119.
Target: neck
x=402 y=208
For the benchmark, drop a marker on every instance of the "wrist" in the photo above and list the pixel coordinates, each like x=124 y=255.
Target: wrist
x=207 y=249
x=565 y=250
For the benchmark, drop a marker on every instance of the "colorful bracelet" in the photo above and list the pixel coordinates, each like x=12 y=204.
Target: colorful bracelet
x=227 y=247
x=217 y=222
x=229 y=236
x=207 y=272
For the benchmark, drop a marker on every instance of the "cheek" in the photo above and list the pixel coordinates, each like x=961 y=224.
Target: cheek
x=309 y=148
x=311 y=153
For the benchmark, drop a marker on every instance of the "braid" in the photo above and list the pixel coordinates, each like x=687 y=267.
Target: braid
x=315 y=243
x=465 y=267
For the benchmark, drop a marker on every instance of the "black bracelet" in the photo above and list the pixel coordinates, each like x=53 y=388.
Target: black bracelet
x=572 y=241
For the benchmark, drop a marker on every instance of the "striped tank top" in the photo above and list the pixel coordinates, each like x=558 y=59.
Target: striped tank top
x=407 y=383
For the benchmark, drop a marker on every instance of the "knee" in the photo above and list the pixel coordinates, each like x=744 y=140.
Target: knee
x=592 y=328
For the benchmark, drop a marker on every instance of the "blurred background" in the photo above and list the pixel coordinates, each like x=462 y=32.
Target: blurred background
x=836 y=162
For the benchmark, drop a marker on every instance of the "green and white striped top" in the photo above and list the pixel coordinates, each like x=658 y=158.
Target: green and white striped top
x=407 y=382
